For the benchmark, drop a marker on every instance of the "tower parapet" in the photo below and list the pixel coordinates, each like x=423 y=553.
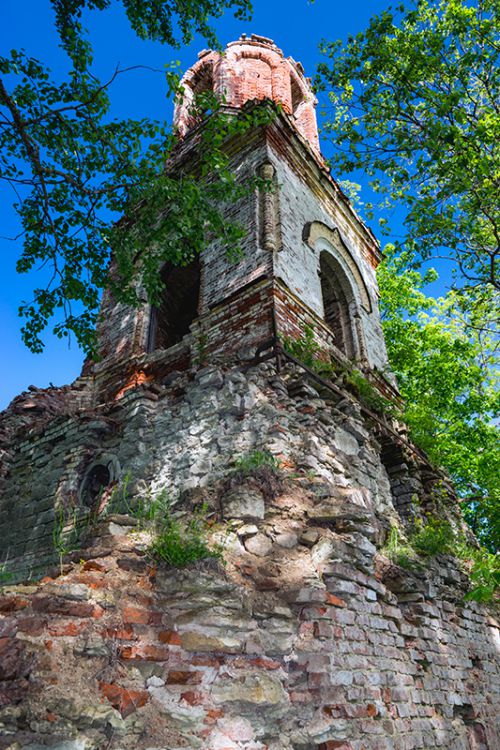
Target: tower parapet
x=252 y=68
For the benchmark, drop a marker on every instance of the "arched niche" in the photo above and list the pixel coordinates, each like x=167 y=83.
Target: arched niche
x=339 y=304
x=253 y=75
x=299 y=95
x=198 y=80
x=98 y=476
x=202 y=80
x=171 y=320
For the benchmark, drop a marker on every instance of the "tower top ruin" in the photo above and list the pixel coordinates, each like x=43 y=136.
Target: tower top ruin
x=251 y=68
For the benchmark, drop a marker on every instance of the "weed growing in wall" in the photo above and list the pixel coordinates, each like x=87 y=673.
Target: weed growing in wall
x=432 y=536
x=175 y=541
x=201 y=347
x=399 y=550
x=5 y=575
x=181 y=542
x=260 y=469
x=147 y=511
x=119 y=500
x=369 y=394
x=65 y=537
x=306 y=349
x=254 y=460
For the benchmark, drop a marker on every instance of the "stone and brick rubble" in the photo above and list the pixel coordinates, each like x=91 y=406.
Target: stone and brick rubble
x=305 y=639
x=174 y=432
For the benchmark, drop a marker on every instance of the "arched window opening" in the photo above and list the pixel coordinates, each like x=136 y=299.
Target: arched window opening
x=97 y=483
x=202 y=83
x=171 y=320
x=337 y=303
x=97 y=478
x=297 y=95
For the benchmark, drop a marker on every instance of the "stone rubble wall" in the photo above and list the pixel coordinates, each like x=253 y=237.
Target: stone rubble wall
x=306 y=639
x=175 y=436
x=27 y=473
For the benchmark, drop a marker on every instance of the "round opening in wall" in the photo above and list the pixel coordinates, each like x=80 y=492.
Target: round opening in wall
x=95 y=481
x=98 y=476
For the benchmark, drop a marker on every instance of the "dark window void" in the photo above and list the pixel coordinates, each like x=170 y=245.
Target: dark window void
x=204 y=82
x=94 y=483
x=171 y=320
x=336 y=297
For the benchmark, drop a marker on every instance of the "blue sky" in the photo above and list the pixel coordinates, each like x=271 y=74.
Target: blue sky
x=295 y=25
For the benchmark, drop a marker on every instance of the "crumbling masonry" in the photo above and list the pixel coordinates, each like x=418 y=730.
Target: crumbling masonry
x=307 y=638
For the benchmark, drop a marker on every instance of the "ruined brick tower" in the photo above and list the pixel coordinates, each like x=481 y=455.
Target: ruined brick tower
x=308 y=259
x=308 y=637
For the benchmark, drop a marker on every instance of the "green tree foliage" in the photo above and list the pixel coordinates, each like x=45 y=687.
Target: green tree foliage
x=416 y=107
x=444 y=354
x=150 y=19
x=74 y=171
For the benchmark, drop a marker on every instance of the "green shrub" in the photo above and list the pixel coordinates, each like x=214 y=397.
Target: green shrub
x=484 y=575
x=179 y=543
x=255 y=460
x=369 y=394
x=483 y=569
x=119 y=500
x=399 y=550
x=175 y=541
x=5 y=575
x=65 y=536
x=305 y=348
x=433 y=536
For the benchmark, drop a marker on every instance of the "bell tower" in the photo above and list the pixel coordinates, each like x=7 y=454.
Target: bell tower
x=308 y=262
x=199 y=435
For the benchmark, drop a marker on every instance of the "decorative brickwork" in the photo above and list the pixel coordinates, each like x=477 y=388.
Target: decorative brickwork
x=251 y=69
